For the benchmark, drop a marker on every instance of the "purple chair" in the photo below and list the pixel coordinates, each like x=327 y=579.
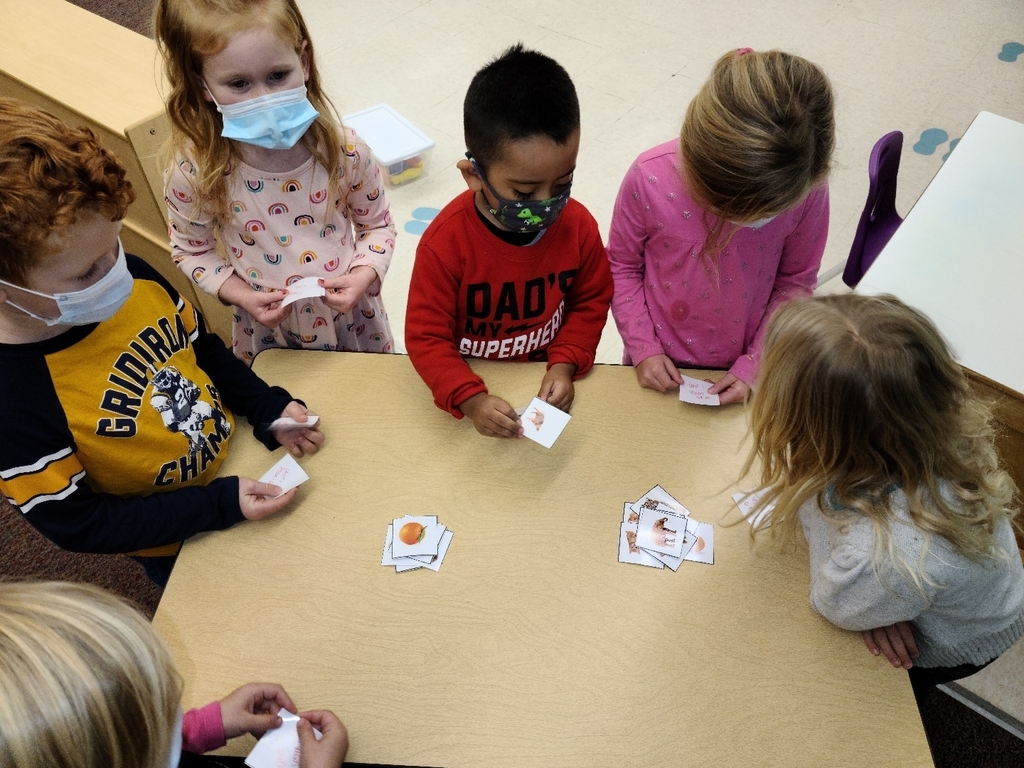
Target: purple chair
x=879 y=221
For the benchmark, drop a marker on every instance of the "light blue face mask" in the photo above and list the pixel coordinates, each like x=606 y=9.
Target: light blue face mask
x=274 y=121
x=99 y=302
x=176 y=741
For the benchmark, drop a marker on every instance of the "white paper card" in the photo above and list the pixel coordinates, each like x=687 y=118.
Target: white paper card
x=279 y=748
x=415 y=535
x=661 y=530
x=306 y=288
x=747 y=505
x=286 y=474
x=696 y=391
x=287 y=422
x=703 y=549
x=543 y=423
x=629 y=552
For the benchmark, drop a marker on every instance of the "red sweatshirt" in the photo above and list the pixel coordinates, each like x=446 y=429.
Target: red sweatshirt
x=473 y=295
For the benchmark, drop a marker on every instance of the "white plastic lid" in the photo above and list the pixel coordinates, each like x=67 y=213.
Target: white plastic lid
x=390 y=136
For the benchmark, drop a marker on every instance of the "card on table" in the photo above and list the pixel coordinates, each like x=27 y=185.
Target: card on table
x=306 y=288
x=657 y=495
x=696 y=391
x=747 y=501
x=416 y=535
x=629 y=552
x=703 y=549
x=543 y=423
x=279 y=747
x=661 y=530
x=286 y=474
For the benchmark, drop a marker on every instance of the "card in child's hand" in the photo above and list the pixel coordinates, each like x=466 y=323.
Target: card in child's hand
x=543 y=423
x=279 y=747
x=287 y=422
x=306 y=288
x=286 y=474
x=696 y=391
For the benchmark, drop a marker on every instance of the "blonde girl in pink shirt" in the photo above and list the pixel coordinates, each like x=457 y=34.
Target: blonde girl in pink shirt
x=266 y=186
x=714 y=230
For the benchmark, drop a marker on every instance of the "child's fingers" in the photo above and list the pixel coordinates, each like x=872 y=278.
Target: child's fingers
x=869 y=641
x=906 y=631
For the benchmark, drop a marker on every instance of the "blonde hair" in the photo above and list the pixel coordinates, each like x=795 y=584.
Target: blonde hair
x=187 y=31
x=49 y=173
x=86 y=681
x=756 y=138
x=859 y=396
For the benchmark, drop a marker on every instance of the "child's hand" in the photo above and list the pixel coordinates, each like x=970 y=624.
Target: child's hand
x=258 y=500
x=344 y=292
x=492 y=416
x=658 y=372
x=265 y=307
x=895 y=641
x=302 y=441
x=556 y=387
x=729 y=390
x=330 y=751
x=253 y=709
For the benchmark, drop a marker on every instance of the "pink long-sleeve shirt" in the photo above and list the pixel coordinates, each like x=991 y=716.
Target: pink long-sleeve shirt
x=668 y=301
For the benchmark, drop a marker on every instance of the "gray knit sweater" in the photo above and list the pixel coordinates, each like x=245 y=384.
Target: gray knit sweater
x=975 y=615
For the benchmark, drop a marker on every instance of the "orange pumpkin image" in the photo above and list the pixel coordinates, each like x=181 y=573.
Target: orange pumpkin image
x=411 y=533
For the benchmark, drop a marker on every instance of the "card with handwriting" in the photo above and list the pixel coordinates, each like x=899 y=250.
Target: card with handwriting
x=696 y=391
x=286 y=474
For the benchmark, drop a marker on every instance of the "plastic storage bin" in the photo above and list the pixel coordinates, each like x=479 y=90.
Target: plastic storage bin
x=402 y=150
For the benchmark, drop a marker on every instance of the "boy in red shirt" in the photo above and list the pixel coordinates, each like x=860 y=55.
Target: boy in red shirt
x=512 y=269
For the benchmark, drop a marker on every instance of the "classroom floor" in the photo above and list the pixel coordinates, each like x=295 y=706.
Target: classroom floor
x=924 y=67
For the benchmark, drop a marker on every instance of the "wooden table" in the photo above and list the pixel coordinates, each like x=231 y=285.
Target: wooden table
x=532 y=646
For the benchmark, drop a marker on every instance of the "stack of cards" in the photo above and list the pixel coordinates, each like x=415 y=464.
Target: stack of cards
x=416 y=542
x=542 y=423
x=657 y=531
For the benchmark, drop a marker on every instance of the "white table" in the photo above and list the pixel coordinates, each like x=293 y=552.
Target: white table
x=959 y=255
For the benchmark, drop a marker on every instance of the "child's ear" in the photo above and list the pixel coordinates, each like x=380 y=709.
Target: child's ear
x=473 y=180
x=304 y=60
x=203 y=89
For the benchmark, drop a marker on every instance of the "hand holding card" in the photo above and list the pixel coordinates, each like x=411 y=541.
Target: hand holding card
x=286 y=474
x=696 y=391
x=306 y=288
x=542 y=422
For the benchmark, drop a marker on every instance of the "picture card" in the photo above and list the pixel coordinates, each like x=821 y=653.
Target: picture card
x=628 y=515
x=279 y=747
x=656 y=495
x=661 y=530
x=543 y=423
x=747 y=501
x=416 y=535
x=696 y=391
x=402 y=564
x=306 y=288
x=703 y=549
x=286 y=474
x=629 y=552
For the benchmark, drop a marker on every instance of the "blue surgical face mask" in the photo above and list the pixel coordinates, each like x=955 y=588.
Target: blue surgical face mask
x=274 y=121
x=524 y=215
x=99 y=302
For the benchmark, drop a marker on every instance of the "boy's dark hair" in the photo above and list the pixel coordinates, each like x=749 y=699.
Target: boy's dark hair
x=520 y=94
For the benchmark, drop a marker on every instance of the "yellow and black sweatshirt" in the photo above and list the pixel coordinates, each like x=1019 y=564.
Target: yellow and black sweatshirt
x=113 y=432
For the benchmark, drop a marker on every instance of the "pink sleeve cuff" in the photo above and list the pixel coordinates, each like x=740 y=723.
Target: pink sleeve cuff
x=745 y=369
x=203 y=729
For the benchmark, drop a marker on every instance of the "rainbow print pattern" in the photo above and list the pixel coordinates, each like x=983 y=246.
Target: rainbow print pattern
x=292 y=185
x=307 y=257
x=277 y=209
x=237 y=206
x=254 y=185
x=304 y=220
